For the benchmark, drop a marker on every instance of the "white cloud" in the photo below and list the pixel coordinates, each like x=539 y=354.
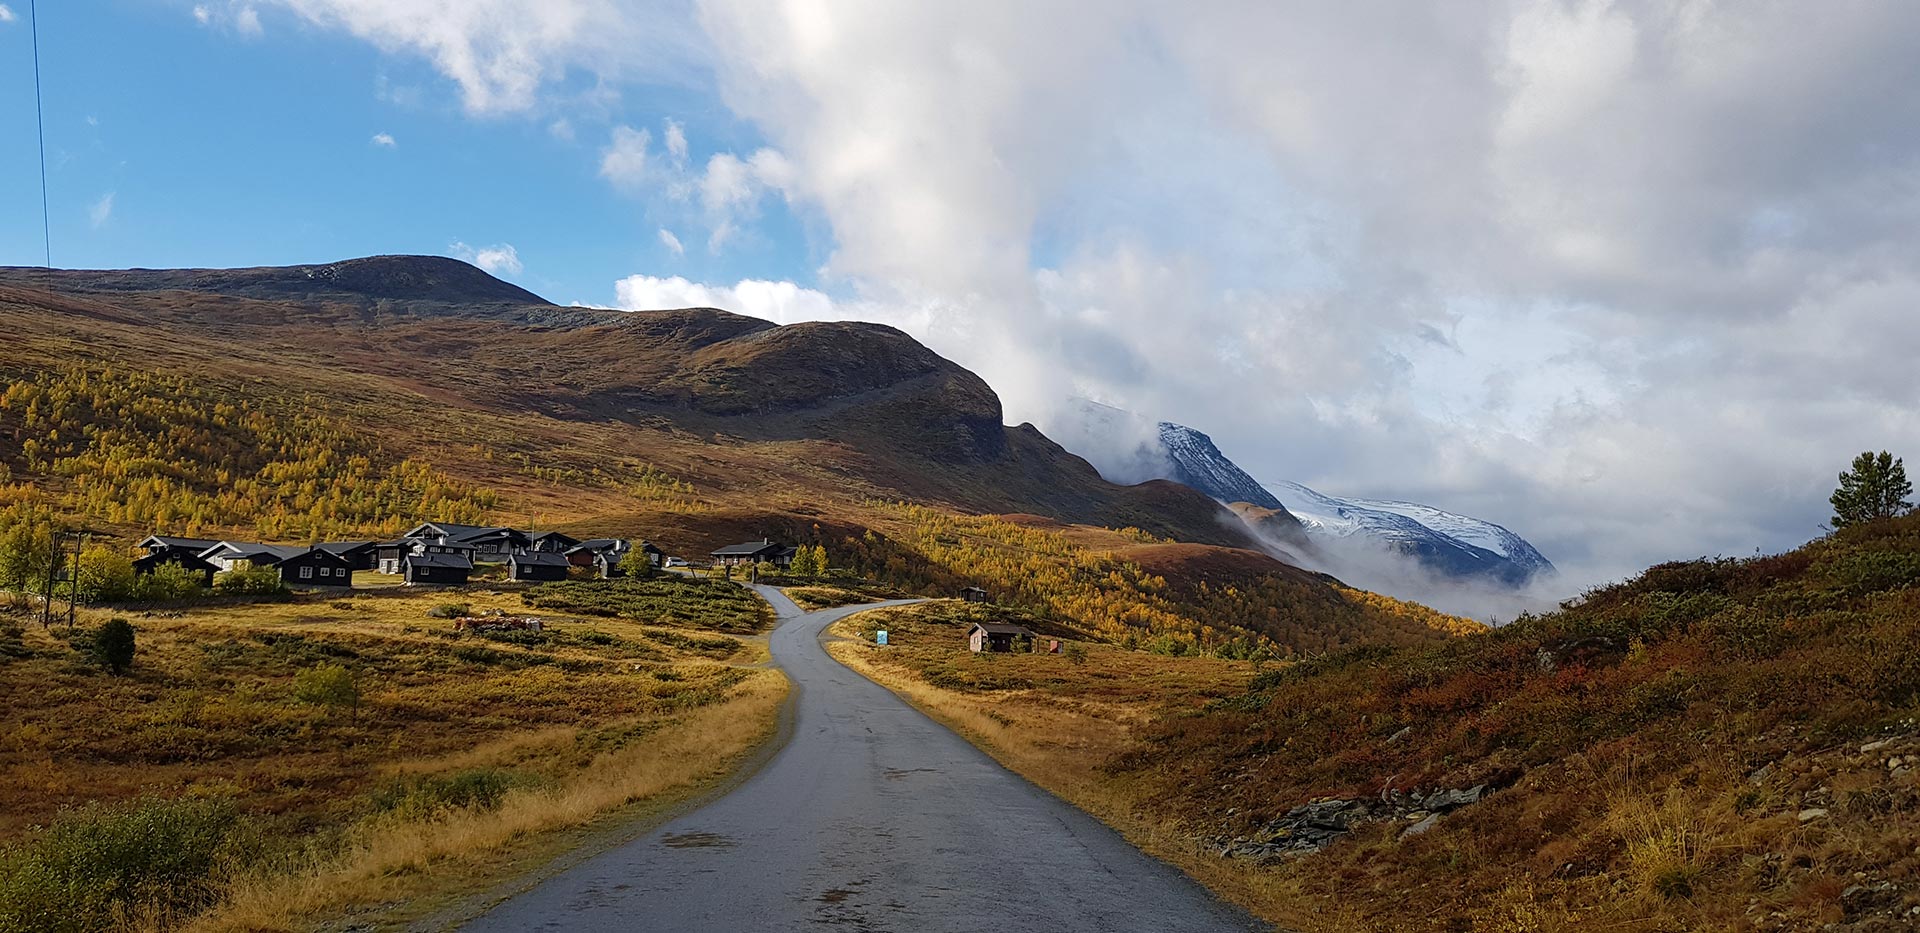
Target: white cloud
x=502 y=52
x=672 y=243
x=1664 y=244
x=383 y=140
x=240 y=17
x=676 y=140
x=6 y=13
x=498 y=259
x=779 y=302
x=561 y=129
x=624 y=161
x=101 y=211
x=728 y=190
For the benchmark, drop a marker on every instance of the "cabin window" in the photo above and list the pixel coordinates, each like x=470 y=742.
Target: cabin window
x=306 y=573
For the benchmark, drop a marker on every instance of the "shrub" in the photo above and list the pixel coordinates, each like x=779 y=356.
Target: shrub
x=104 y=576
x=328 y=685
x=636 y=563
x=450 y=611
x=663 y=599
x=168 y=583
x=113 y=646
x=427 y=797
x=248 y=580
x=97 y=866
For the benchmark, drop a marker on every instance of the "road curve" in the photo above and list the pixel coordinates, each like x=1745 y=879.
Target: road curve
x=872 y=818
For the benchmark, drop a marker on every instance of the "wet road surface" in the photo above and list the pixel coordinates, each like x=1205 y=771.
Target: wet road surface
x=872 y=818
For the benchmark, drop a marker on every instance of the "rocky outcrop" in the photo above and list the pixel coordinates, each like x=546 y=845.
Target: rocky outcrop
x=1310 y=827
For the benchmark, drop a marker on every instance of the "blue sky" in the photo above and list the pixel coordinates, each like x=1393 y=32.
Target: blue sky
x=1596 y=270
x=219 y=148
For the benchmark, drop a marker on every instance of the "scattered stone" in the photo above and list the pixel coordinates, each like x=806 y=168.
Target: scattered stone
x=1866 y=898
x=1760 y=774
x=1313 y=826
x=1449 y=799
x=1812 y=813
x=1397 y=736
x=1875 y=746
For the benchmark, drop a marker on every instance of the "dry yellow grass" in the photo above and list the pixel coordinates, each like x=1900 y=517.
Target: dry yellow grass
x=591 y=724
x=388 y=862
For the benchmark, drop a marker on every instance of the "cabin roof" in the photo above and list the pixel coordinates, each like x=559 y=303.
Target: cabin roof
x=538 y=559
x=1000 y=628
x=195 y=544
x=748 y=549
x=599 y=544
x=442 y=561
x=314 y=555
x=247 y=550
x=342 y=547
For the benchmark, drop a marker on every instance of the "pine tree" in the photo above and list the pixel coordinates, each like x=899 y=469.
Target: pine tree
x=1875 y=488
x=113 y=646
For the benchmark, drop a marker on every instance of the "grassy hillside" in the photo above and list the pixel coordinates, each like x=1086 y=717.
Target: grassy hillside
x=1714 y=745
x=353 y=399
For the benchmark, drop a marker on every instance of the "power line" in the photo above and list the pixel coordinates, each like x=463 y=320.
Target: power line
x=40 y=125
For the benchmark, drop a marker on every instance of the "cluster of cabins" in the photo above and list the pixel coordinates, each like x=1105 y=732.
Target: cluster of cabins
x=432 y=553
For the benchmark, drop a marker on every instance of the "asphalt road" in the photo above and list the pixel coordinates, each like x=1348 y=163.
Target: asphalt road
x=872 y=818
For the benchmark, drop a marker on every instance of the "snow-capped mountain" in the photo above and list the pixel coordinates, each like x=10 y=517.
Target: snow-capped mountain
x=1389 y=545
x=1196 y=462
x=1446 y=543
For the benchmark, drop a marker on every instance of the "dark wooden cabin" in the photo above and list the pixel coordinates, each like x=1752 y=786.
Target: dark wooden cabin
x=315 y=567
x=436 y=569
x=531 y=566
x=191 y=562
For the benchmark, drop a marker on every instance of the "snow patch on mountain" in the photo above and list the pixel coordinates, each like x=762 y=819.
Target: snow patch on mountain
x=1198 y=463
x=1446 y=542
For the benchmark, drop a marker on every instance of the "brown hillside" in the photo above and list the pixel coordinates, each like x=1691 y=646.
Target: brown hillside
x=453 y=366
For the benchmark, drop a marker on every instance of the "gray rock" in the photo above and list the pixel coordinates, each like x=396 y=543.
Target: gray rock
x=1420 y=827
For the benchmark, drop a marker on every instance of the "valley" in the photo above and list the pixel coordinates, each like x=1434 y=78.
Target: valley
x=1717 y=744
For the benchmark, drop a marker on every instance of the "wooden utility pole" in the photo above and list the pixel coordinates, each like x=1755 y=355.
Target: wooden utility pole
x=73 y=579
x=53 y=564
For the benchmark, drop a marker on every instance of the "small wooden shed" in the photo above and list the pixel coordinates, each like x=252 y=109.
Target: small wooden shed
x=995 y=636
x=974 y=594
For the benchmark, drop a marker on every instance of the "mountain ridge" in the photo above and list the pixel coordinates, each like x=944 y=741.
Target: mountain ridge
x=732 y=402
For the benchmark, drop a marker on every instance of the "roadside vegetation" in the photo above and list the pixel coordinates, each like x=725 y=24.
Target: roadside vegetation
x=661 y=599
x=261 y=766
x=1713 y=745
